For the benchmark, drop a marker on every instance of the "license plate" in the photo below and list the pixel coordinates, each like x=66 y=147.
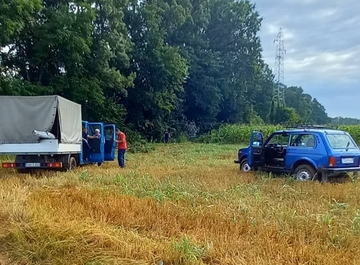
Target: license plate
x=347 y=160
x=32 y=165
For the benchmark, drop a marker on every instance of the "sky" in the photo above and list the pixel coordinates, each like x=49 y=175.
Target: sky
x=322 y=46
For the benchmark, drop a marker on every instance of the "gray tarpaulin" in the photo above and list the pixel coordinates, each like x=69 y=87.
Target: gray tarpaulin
x=20 y=115
x=70 y=121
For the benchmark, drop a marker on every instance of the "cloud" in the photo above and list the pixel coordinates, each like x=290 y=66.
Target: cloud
x=322 y=48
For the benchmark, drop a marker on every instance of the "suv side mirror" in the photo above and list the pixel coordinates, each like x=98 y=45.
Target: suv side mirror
x=256 y=143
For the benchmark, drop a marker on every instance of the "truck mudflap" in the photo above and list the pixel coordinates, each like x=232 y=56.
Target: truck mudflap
x=48 y=165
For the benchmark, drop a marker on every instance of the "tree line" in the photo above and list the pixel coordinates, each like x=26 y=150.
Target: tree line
x=186 y=65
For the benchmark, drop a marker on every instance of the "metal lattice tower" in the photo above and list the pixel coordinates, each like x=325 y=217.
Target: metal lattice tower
x=278 y=92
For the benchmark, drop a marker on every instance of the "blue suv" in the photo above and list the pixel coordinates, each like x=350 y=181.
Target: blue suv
x=308 y=153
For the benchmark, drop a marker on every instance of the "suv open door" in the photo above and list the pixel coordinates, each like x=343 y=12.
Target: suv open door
x=256 y=154
x=110 y=144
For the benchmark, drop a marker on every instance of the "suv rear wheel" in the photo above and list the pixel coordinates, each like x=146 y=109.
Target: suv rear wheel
x=304 y=173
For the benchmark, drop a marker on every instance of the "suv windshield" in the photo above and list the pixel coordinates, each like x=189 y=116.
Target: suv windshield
x=340 y=141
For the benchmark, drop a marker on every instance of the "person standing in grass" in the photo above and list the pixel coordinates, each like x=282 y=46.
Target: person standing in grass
x=122 y=146
x=167 y=136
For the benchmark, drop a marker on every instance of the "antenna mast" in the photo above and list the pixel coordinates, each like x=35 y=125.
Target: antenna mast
x=278 y=91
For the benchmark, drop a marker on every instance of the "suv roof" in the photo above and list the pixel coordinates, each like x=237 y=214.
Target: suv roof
x=316 y=130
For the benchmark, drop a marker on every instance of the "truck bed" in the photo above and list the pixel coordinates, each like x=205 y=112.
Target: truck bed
x=50 y=146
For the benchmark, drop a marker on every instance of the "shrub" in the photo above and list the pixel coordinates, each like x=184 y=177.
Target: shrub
x=240 y=134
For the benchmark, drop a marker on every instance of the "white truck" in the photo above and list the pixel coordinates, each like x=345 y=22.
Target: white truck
x=46 y=132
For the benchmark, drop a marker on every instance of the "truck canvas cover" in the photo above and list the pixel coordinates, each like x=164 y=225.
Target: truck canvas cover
x=21 y=115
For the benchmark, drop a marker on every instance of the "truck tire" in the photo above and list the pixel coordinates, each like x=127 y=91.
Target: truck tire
x=304 y=172
x=72 y=163
x=244 y=166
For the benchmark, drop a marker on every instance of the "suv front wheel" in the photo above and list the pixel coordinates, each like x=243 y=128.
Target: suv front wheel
x=304 y=173
x=244 y=166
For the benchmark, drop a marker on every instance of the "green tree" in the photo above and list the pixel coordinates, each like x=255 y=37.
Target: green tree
x=14 y=15
x=319 y=115
x=72 y=49
x=151 y=65
x=301 y=102
x=232 y=32
x=160 y=68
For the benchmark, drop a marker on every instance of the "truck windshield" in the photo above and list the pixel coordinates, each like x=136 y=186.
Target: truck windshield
x=340 y=141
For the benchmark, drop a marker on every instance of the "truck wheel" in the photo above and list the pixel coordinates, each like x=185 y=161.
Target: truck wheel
x=69 y=163
x=244 y=166
x=304 y=173
x=72 y=163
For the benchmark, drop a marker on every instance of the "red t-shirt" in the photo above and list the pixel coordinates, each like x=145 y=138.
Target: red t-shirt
x=122 y=145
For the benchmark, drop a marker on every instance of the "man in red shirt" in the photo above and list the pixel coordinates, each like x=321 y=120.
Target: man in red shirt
x=122 y=146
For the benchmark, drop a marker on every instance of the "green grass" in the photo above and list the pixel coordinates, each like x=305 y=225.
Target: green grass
x=180 y=204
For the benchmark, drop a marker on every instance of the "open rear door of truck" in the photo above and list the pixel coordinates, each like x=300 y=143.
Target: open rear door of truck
x=97 y=146
x=110 y=144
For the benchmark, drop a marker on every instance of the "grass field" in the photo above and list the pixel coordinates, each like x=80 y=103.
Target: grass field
x=181 y=204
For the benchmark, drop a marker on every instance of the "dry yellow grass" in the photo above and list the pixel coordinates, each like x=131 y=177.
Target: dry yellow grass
x=182 y=204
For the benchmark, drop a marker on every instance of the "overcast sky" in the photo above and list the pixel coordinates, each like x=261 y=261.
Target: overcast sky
x=322 y=42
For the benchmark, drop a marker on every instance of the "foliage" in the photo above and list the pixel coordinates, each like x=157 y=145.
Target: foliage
x=345 y=121
x=235 y=134
x=160 y=68
x=14 y=15
x=354 y=131
x=240 y=134
x=148 y=66
x=137 y=143
x=74 y=49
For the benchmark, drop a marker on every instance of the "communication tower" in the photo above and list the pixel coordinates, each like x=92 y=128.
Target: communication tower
x=279 y=87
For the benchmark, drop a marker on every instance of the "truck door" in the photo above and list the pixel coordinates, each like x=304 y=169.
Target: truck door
x=256 y=156
x=97 y=146
x=110 y=144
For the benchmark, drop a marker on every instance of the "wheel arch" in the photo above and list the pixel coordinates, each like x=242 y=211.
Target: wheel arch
x=304 y=161
x=242 y=158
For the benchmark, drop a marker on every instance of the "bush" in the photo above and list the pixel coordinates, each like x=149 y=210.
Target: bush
x=137 y=144
x=235 y=134
x=240 y=134
x=354 y=130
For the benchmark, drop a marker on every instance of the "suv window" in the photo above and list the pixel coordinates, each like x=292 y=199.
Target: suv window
x=302 y=140
x=282 y=139
x=340 y=141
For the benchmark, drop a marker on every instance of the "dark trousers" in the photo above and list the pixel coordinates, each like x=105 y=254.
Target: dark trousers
x=86 y=151
x=121 y=157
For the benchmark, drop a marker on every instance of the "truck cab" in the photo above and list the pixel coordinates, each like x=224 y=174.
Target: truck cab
x=100 y=149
